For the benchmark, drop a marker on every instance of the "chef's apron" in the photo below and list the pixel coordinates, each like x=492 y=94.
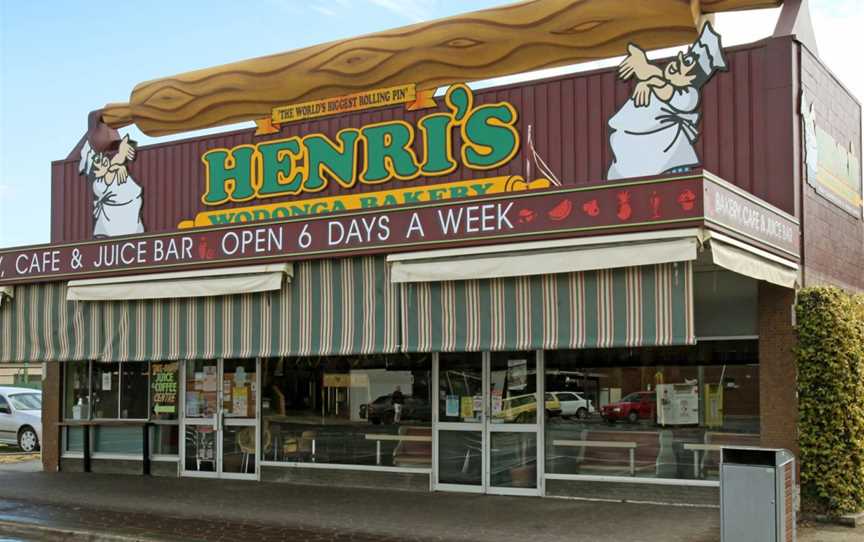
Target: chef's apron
x=655 y=139
x=116 y=208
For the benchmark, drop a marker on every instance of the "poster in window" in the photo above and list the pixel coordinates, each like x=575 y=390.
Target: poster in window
x=240 y=402
x=467 y=407
x=193 y=404
x=517 y=374
x=106 y=381
x=452 y=408
x=164 y=388
x=497 y=403
x=210 y=381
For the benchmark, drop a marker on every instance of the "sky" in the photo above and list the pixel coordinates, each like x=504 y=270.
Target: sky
x=61 y=59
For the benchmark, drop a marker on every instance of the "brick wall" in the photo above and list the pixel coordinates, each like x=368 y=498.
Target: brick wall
x=51 y=404
x=778 y=395
x=833 y=238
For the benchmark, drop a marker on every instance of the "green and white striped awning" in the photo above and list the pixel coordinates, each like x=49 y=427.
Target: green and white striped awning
x=38 y=324
x=634 y=306
x=350 y=306
x=332 y=307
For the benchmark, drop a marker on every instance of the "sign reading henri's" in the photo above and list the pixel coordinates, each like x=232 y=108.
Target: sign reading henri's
x=376 y=155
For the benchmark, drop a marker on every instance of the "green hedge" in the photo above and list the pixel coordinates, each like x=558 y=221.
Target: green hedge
x=830 y=356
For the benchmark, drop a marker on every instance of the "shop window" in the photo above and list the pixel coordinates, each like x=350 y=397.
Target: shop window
x=109 y=391
x=106 y=392
x=656 y=413
x=164 y=408
x=352 y=410
x=165 y=440
x=134 y=380
x=119 y=390
x=76 y=401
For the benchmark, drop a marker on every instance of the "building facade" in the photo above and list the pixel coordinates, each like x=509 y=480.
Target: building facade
x=533 y=289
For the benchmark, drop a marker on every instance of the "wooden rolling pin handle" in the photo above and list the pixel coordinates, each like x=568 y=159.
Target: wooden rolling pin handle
x=117 y=115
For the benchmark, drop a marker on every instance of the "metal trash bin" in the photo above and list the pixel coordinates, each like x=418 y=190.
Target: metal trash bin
x=757 y=495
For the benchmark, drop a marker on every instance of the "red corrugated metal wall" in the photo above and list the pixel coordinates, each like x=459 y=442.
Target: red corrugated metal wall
x=569 y=115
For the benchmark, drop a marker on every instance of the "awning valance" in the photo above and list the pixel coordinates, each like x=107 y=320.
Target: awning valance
x=330 y=307
x=633 y=306
x=42 y=326
x=547 y=257
x=185 y=284
x=752 y=262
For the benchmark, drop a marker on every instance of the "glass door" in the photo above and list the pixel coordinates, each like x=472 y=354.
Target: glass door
x=487 y=423
x=239 y=435
x=220 y=419
x=458 y=450
x=515 y=411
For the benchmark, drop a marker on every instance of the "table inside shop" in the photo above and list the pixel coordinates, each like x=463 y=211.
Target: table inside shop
x=631 y=446
x=85 y=425
x=280 y=420
x=696 y=448
x=378 y=438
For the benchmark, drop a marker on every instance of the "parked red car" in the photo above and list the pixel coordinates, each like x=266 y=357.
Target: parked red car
x=641 y=405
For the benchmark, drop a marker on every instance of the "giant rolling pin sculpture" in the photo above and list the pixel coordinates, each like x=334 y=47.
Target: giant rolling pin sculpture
x=500 y=41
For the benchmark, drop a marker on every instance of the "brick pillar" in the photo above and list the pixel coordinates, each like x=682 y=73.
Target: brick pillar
x=52 y=394
x=778 y=389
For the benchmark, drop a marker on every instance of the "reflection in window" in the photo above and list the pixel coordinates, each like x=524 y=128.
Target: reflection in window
x=356 y=410
x=133 y=396
x=106 y=381
x=658 y=412
x=164 y=440
x=76 y=398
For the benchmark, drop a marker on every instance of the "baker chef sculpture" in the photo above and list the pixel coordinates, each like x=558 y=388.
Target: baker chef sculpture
x=116 y=195
x=655 y=130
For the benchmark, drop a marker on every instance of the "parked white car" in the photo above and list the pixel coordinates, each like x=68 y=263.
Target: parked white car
x=21 y=417
x=573 y=404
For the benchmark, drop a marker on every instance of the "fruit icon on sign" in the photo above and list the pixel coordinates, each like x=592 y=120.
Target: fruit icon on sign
x=624 y=209
x=687 y=200
x=591 y=208
x=204 y=252
x=655 y=202
x=526 y=215
x=561 y=211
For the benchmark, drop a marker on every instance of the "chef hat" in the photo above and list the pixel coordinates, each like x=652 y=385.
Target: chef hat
x=709 y=51
x=86 y=158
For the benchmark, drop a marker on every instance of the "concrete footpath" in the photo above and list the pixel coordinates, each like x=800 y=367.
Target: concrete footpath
x=71 y=506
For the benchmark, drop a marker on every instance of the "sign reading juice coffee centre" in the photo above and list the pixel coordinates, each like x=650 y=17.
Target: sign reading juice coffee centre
x=164 y=388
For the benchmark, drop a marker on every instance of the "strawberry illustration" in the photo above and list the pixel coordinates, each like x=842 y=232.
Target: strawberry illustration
x=624 y=209
x=687 y=200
